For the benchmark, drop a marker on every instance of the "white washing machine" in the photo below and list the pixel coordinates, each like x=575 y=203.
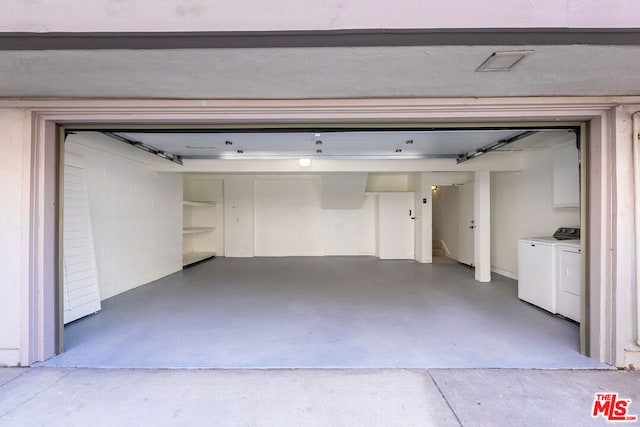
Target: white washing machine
x=537 y=271
x=549 y=274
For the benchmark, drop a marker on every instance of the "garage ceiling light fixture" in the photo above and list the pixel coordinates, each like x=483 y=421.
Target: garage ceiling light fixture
x=503 y=61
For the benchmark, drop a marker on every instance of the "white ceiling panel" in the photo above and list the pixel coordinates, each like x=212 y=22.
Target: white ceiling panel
x=398 y=144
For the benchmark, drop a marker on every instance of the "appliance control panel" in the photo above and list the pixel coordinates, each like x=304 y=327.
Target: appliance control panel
x=567 y=233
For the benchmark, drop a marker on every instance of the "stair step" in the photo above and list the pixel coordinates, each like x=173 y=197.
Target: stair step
x=438 y=252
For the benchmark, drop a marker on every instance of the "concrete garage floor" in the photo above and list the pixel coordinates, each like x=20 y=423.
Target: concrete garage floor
x=72 y=397
x=322 y=312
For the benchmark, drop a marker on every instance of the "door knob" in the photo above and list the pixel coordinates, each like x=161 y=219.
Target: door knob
x=472 y=226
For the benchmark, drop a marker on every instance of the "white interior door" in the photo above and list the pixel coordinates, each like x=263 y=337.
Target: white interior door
x=466 y=224
x=396 y=212
x=80 y=283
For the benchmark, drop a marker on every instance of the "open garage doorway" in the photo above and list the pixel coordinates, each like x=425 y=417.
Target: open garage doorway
x=346 y=309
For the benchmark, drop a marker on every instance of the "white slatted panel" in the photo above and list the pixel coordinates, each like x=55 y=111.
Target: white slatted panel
x=81 y=292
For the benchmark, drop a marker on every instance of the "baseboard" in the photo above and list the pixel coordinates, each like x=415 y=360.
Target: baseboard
x=505 y=273
x=9 y=357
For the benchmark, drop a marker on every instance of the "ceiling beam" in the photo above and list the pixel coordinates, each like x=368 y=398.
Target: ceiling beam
x=496 y=162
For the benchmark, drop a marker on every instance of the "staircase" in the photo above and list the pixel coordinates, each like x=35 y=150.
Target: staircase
x=441 y=253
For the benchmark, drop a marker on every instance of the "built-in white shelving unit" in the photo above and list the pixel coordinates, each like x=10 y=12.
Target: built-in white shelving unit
x=201 y=204
x=194 y=230
x=566 y=176
x=202 y=218
x=193 y=257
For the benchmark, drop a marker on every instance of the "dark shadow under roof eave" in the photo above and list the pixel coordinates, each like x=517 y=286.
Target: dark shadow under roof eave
x=322 y=38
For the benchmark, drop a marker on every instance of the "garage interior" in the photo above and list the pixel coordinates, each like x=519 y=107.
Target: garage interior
x=299 y=267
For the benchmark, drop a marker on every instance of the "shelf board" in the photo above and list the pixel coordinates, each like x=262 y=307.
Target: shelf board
x=195 y=230
x=193 y=257
x=199 y=203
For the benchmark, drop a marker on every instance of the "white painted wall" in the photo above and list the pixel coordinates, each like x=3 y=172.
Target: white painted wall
x=445 y=214
x=12 y=224
x=342 y=190
x=389 y=182
x=136 y=214
x=258 y=222
x=522 y=206
x=289 y=221
x=190 y=15
x=281 y=215
x=238 y=216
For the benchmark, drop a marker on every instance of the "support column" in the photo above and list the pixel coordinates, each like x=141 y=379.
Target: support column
x=636 y=186
x=14 y=224
x=482 y=214
x=632 y=350
x=425 y=215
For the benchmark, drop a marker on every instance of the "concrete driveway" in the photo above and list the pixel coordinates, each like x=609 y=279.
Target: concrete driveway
x=68 y=397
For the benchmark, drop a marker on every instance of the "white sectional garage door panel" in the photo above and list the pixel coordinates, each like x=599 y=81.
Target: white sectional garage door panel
x=80 y=283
